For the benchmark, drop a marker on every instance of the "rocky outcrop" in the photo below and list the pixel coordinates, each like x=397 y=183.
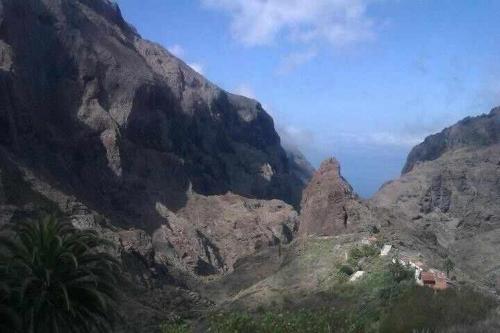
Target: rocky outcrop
x=326 y=203
x=211 y=233
x=476 y=132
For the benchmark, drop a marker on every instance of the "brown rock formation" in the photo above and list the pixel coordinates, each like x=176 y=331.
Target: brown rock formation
x=325 y=202
x=210 y=233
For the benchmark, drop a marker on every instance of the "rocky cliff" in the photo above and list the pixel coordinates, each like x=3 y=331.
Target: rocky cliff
x=117 y=120
x=118 y=125
x=449 y=196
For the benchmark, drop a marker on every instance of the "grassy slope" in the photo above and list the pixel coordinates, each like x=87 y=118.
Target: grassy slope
x=306 y=290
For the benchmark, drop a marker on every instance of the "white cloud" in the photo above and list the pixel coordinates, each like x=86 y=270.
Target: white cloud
x=379 y=139
x=294 y=60
x=177 y=50
x=292 y=136
x=295 y=137
x=197 y=67
x=244 y=90
x=260 y=22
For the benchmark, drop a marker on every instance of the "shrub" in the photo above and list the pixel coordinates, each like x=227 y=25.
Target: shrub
x=400 y=272
x=363 y=251
x=346 y=269
x=301 y=321
x=175 y=327
x=421 y=309
x=449 y=265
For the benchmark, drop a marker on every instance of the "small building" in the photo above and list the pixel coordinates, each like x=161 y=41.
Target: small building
x=385 y=250
x=356 y=276
x=434 y=279
x=428 y=279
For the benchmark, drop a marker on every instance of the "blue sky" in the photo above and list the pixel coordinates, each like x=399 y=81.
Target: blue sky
x=361 y=80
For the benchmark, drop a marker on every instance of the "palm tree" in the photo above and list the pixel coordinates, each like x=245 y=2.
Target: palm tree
x=58 y=279
x=9 y=320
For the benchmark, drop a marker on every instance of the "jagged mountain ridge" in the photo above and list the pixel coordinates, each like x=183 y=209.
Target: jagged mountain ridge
x=117 y=119
x=478 y=131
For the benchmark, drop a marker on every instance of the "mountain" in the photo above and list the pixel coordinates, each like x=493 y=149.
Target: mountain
x=477 y=132
x=446 y=207
x=448 y=196
x=192 y=184
x=117 y=119
x=122 y=127
x=114 y=133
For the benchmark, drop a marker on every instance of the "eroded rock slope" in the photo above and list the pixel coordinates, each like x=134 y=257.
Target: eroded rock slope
x=449 y=196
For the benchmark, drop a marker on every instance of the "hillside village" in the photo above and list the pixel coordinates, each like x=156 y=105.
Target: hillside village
x=424 y=275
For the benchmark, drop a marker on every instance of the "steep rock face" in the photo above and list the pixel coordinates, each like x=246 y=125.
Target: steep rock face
x=329 y=205
x=299 y=165
x=118 y=125
x=122 y=124
x=211 y=233
x=478 y=132
x=452 y=202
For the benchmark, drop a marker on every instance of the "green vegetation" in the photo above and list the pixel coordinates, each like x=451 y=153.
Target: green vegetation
x=55 y=279
x=421 y=309
x=274 y=322
x=401 y=273
x=346 y=269
x=407 y=309
x=175 y=327
x=363 y=251
x=448 y=266
x=385 y=300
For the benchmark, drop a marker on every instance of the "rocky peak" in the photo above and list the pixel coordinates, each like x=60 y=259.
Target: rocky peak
x=477 y=131
x=325 y=202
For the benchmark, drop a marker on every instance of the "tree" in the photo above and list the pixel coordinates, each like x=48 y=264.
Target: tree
x=9 y=320
x=448 y=265
x=56 y=278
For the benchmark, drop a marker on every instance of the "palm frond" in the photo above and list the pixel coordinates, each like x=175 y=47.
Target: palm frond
x=57 y=278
